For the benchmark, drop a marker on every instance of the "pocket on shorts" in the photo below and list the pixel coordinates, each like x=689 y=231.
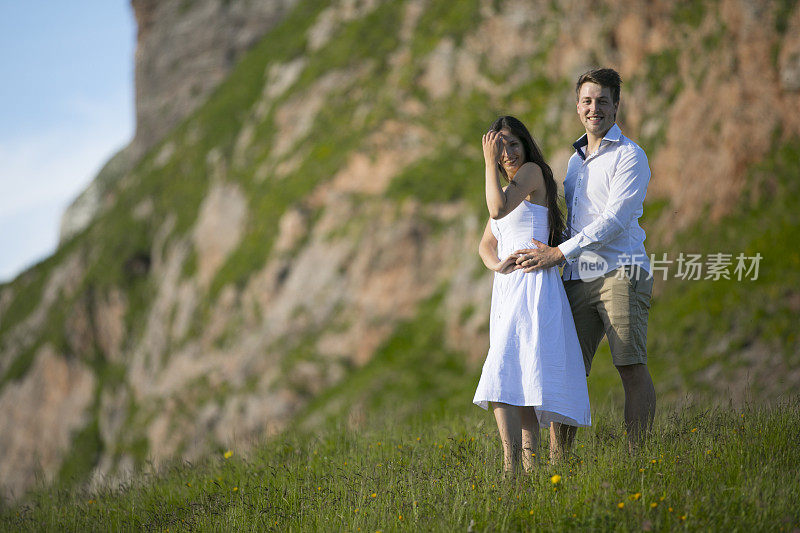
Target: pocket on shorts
x=640 y=282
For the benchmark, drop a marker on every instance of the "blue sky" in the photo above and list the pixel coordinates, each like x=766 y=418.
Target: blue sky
x=66 y=106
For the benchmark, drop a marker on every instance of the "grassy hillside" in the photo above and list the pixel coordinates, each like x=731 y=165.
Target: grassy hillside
x=720 y=469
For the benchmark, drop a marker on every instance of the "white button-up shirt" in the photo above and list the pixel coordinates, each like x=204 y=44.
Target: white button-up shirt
x=604 y=192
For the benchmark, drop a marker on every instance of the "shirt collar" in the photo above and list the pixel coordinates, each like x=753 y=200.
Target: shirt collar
x=613 y=135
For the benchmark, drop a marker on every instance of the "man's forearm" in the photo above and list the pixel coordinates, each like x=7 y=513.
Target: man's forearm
x=593 y=236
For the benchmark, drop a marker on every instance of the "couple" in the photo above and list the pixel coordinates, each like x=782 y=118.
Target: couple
x=544 y=333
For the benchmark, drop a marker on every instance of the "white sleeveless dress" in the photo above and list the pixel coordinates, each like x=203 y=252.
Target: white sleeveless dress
x=534 y=356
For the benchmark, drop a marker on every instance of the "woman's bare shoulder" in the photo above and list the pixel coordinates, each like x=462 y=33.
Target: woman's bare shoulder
x=531 y=168
x=530 y=174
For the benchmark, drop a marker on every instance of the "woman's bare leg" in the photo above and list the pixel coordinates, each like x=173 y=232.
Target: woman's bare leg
x=530 y=437
x=508 y=423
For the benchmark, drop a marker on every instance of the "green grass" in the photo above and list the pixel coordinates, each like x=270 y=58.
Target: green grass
x=444 y=20
x=411 y=374
x=783 y=15
x=720 y=469
x=690 y=13
x=432 y=179
x=663 y=75
x=346 y=47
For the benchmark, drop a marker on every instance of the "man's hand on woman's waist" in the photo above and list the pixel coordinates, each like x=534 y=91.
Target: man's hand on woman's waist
x=539 y=258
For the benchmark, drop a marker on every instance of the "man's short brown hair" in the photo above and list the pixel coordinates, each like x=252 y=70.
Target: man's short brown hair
x=604 y=77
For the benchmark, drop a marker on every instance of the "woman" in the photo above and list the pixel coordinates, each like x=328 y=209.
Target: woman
x=534 y=372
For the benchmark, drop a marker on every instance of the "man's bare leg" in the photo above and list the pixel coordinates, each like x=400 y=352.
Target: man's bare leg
x=509 y=426
x=640 y=402
x=530 y=437
x=561 y=438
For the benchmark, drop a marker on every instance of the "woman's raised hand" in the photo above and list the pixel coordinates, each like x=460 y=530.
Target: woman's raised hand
x=492 y=146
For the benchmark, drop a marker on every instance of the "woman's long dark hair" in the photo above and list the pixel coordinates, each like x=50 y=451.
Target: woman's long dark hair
x=534 y=155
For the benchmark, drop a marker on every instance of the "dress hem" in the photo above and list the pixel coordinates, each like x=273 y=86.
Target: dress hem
x=544 y=416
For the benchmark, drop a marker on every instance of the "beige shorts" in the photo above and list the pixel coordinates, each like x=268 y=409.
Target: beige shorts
x=617 y=306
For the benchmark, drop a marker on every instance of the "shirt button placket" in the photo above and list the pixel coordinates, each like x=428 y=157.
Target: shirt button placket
x=575 y=196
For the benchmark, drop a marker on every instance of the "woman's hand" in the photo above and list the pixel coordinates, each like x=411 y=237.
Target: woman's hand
x=507 y=265
x=492 y=146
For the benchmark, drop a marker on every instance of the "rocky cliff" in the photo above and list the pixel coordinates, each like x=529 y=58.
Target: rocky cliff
x=302 y=246
x=184 y=49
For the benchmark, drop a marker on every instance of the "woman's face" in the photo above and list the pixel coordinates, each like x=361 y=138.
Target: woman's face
x=512 y=155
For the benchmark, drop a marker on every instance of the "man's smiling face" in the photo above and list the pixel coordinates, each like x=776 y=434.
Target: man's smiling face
x=596 y=108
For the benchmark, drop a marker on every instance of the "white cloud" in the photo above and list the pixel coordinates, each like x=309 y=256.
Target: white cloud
x=40 y=175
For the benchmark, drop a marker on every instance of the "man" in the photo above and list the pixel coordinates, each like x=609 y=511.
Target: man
x=604 y=188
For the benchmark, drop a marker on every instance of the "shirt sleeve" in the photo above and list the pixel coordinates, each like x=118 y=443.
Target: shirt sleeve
x=625 y=198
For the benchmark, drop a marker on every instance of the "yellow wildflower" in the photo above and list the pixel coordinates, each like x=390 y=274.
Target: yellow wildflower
x=235 y=489
x=694 y=429
x=374 y=495
x=653 y=505
x=555 y=479
x=228 y=454
x=620 y=505
x=634 y=497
